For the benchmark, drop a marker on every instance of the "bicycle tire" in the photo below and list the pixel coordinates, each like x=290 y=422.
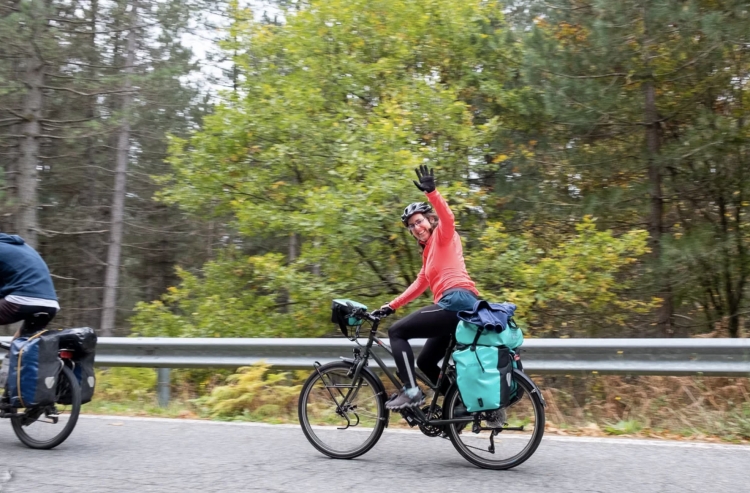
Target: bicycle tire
x=67 y=379
x=454 y=431
x=341 y=369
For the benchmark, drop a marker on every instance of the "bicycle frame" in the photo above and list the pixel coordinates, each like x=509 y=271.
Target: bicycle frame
x=360 y=361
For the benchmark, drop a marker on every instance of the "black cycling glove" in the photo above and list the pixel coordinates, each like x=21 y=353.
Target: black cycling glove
x=384 y=311
x=426 y=179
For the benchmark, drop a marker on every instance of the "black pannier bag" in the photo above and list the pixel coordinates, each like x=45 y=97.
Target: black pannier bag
x=81 y=342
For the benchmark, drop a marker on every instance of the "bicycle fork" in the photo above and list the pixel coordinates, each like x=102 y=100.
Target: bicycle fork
x=343 y=409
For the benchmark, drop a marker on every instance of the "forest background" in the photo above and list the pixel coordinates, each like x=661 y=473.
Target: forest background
x=595 y=155
x=216 y=168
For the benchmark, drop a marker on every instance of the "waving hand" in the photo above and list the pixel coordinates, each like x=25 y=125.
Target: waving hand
x=426 y=179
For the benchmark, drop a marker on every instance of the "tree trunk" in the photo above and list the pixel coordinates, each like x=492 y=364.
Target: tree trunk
x=316 y=265
x=656 y=216
x=284 y=299
x=90 y=290
x=111 y=277
x=293 y=247
x=27 y=220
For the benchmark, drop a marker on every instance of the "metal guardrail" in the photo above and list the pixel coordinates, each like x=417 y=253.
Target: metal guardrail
x=715 y=357
x=710 y=357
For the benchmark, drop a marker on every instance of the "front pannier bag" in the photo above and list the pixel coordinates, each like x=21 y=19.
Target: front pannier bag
x=34 y=370
x=341 y=315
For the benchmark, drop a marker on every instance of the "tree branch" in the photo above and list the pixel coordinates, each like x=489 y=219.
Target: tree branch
x=50 y=233
x=66 y=89
x=377 y=272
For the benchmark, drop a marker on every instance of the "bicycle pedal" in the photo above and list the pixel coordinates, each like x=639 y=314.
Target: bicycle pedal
x=410 y=420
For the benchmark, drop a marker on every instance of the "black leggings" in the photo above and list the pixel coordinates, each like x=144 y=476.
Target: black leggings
x=432 y=322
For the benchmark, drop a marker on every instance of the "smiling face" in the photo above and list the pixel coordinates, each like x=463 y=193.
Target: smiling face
x=420 y=227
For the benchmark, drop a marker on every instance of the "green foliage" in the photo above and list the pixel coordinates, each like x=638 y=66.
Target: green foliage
x=643 y=123
x=579 y=272
x=316 y=149
x=237 y=298
x=132 y=384
x=252 y=391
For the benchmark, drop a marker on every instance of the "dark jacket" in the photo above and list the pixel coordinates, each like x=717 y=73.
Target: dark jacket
x=22 y=270
x=491 y=316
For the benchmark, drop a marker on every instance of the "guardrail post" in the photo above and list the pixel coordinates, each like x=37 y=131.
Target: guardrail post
x=163 y=386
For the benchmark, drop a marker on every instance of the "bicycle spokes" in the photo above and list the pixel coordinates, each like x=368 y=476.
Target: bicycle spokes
x=500 y=447
x=341 y=415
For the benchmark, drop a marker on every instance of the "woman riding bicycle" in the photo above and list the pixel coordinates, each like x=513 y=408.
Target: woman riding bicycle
x=444 y=272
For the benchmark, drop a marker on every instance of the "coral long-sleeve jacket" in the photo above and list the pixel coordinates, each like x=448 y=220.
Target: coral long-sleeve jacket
x=443 y=265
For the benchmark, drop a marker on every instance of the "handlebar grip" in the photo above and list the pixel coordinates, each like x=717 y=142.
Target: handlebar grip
x=377 y=315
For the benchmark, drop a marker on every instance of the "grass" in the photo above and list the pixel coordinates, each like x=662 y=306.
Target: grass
x=707 y=408
x=629 y=427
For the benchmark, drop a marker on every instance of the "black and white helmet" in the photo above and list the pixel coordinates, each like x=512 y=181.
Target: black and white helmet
x=414 y=208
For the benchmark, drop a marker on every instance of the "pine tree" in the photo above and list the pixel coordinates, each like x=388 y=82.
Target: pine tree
x=639 y=97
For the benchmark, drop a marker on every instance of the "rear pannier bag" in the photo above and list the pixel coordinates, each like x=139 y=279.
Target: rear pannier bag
x=485 y=377
x=81 y=342
x=34 y=370
x=484 y=365
x=511 y=336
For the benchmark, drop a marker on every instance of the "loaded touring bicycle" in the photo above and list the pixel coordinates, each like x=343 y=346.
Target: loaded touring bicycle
x=343 y=415
x=49 y=375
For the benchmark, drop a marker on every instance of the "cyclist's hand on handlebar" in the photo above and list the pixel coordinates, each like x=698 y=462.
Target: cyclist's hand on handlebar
x=383 y=311
x=426 y=179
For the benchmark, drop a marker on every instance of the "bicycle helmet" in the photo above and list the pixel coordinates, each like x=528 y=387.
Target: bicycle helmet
x=414 y=208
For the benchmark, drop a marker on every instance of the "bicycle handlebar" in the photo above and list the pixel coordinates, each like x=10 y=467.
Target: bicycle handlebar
x=373 y=316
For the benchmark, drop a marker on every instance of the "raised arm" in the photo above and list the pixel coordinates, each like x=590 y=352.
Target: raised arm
x=447 y=226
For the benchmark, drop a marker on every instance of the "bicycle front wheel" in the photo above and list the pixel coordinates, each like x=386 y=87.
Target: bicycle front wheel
x=500 y=448
x=46 y=427
x=341 y=417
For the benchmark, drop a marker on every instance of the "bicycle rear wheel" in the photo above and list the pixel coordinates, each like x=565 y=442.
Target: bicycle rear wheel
x=501 y=448
x=340 y=417
x=46 y=427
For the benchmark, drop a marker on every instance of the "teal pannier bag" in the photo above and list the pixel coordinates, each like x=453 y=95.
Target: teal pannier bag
x=484 y=365
x=511 y=337
x=484 y=375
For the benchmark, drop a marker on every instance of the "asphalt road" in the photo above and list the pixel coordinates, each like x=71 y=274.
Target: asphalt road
x=110 y=454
